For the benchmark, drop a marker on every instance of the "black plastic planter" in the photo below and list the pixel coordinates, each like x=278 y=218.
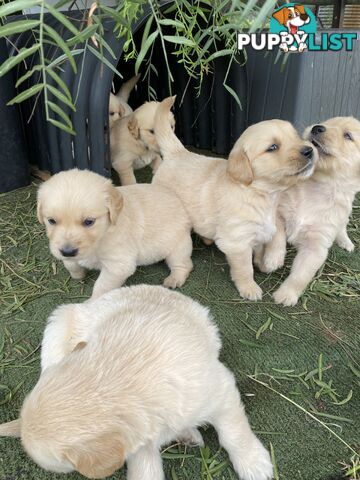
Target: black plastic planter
x=309 y=88
x=212 y=120
x=14 y=162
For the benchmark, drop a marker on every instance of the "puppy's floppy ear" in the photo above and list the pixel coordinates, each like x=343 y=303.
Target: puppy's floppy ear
x=98 y=458
x=239 y=168
x=133 y=127
x=11 y=429
x=300 y=8
x=280 y=15
x=114 y=202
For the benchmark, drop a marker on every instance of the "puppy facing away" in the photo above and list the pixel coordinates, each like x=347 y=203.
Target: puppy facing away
x=146 y=371
x=93 y=225
x=234 y=202
x=314 y=214
x=118 y=106
x=133 y=142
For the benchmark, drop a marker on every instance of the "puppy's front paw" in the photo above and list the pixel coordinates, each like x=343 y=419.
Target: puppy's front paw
x=284 y=47
x=78 y=274
x=174 y=281
x=346 y=244
x=286 y=295
x=257 y=465
x=302 y=47
x=251 y=291
x=272 y=262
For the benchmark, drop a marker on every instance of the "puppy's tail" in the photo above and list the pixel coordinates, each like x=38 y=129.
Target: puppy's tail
x=126 y=88
x=11 y=429
x=165 y=136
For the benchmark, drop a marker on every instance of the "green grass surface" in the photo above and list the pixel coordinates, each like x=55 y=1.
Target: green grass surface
x=292 y=364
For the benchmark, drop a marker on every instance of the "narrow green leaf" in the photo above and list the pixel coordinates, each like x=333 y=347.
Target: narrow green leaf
x=61 y=97
x=63 y=57
x=82 y=36
x=146 y=31
x=62 y=19
x=346 y=400
x=103 y=43
x=17 y=6
x=233 y=94
x=172 y=23
x=59 y=81
x=12 y=61
x=179 y=40
x=261 y=17
x=17 y=27
x=263 y=328
x=26 y=94
x=220 y=53
x=273 y=461
x=144 y=49
x=320 y=366
x=104 y=60
x=27 y=75
x=61 y=43
x=62 y=126
x=61 y=113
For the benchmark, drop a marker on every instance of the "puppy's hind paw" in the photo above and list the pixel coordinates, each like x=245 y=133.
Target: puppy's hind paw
x=251 y=291
x=286 y=296
x=272 y=263
x=191 y=437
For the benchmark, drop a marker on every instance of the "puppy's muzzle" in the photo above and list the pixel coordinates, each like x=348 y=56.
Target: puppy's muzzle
x=307 y=152
x=318 y=130
x=69 y=251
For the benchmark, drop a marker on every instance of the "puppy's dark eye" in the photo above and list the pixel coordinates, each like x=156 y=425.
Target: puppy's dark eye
x=348 y=136
x=152 y=131
x=111 y=114
x=51 y=221
x=88 y=222
x=273 y=147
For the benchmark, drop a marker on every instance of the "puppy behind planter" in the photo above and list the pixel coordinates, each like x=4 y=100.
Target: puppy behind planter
x=213 y=120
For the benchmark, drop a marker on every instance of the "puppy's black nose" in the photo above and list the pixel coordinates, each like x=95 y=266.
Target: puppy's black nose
x=307 y=152
x=69 y=251
x=317 y=129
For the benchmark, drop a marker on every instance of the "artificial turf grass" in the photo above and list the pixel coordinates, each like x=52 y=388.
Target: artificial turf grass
x=33 y=284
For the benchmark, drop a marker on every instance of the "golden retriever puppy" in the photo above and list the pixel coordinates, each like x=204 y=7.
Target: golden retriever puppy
x=314 y=214
x=133 y=142
x=146 y=371
x=92 y=224
x=118 y=106
x=234 y=202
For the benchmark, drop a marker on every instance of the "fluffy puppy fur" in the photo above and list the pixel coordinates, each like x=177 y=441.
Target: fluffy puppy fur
x=234 y=202
x=314 y=214
x=133 y=142
x=146 y=372
x=118 y=106
x=92 y=224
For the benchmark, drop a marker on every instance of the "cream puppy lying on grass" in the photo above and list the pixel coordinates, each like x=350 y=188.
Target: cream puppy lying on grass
x=124 y=375
x=133 y=142
x=234 y=202
x=315 y=213
x=92 y=224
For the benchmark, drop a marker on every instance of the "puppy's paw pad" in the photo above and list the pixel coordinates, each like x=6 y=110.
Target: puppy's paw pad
x=191 y=437
x=172 y=281
x=347 y=245
x=251 y=291
x=286 y=296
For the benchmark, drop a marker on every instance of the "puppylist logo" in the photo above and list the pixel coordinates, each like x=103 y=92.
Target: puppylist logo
x=293 y=29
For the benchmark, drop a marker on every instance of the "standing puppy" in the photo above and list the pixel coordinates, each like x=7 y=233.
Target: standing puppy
x=234 y=202
x=92 y=224
x=126 y=374
x=314 y=214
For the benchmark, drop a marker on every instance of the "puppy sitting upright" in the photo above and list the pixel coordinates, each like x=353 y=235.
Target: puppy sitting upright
x=92 y=224
x=234 y=202
x=124 y=375
x=314 y=214
x=133 y=142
